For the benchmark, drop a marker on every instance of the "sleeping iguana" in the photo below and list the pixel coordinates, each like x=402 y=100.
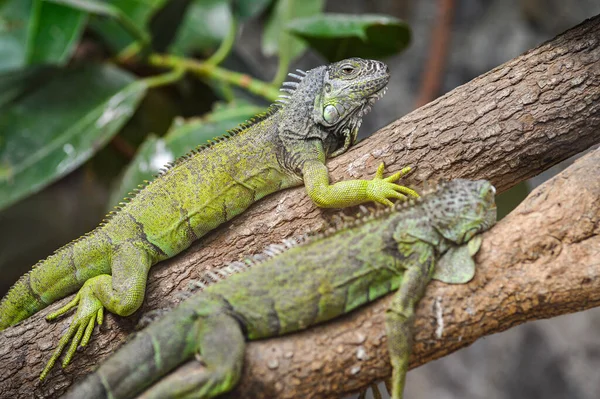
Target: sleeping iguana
x=284 y=147
x=400 y=249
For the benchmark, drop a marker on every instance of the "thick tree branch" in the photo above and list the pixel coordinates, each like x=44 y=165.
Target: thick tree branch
x=541 y=261
x=506 y=125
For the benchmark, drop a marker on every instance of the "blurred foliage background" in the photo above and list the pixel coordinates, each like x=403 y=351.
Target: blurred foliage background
x=97 y=95
x=119 y=88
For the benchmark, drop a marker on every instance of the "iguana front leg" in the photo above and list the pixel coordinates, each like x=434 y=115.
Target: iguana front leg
x=353 y=192
x=122 y=294
x=400 y=315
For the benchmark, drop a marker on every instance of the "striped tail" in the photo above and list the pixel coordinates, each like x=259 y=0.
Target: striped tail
x=53 y=278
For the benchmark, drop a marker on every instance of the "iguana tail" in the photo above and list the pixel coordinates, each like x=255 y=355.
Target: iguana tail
x=200 y=327
x=55 y=277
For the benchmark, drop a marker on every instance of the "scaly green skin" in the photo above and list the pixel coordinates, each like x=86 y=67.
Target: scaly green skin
x=329 y=275
x=282 y=148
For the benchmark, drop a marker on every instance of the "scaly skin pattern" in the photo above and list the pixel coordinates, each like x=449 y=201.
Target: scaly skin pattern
x=284 y=147
x=400 y=249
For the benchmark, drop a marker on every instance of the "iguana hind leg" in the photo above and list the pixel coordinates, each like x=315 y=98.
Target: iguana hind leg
x=122 y=294
x=221 y=350
x=400 y=319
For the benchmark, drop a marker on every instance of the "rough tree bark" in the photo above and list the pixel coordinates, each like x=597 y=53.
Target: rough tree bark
x=506 y=125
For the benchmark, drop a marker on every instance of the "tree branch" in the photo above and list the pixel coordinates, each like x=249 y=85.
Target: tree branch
x=506 y=125
x=542 y=260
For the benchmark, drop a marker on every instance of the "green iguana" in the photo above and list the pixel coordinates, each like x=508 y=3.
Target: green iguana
x=281 y=148
x=400 y=249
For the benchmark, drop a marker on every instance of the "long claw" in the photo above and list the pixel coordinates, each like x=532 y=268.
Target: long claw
x=64 y=340
x=405 y=190
x=384 y=201
x=89 y=311
x=398 y=175
x=64 y=309
x=376 y=392
x=397 y=195
x=100 y=316
x=74 y=344
x=380 y=169
x=383 y=189
x=408 y=191
x=393 y=178
x=388 y=386
x=88 y=331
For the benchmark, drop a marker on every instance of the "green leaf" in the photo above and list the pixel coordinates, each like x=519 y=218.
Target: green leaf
x=50 y=128
x=37 y=32
x=339 y=36
x=129 y=22
x=204 y=26
x=15 y=83
x=182 y=137
x=276 y=39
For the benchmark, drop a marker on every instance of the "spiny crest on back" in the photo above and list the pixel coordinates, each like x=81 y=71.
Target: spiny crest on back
x=273 y=108
x=210 y=277
x=288 y=87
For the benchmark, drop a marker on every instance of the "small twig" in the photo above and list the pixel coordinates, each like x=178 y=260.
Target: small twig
x=205 y=70
x=225 y=47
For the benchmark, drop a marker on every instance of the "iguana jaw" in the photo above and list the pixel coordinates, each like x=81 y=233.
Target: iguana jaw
x=347 y=130
x=369 y=101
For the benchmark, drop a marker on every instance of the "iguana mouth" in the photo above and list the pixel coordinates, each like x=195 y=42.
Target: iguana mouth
x=370 y=100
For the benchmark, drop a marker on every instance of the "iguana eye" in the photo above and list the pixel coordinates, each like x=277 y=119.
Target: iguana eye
x=347 y=69
x=331 y=114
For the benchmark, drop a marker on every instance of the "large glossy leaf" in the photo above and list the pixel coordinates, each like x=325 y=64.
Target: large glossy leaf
x=276 y=38
x=49 y=128
x=37 y=32
x=15 y=83
x=137 y=13
x=206 y=23
x=183 y=136
x=204 y=26
x=339 y=36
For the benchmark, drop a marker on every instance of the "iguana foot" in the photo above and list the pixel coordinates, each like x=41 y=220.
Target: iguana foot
x=374 y=389
x=381 y=189
x=89 y=312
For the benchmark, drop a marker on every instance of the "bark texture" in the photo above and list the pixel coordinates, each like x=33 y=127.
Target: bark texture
x=506 y=125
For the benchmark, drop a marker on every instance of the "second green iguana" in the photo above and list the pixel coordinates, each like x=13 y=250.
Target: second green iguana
x=284 y=147
x=326 y=276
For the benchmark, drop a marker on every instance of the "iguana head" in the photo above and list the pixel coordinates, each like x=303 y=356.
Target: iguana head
x=350 y=88
x=462 y=209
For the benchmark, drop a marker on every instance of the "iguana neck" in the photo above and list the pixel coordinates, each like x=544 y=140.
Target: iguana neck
x=295 y=119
